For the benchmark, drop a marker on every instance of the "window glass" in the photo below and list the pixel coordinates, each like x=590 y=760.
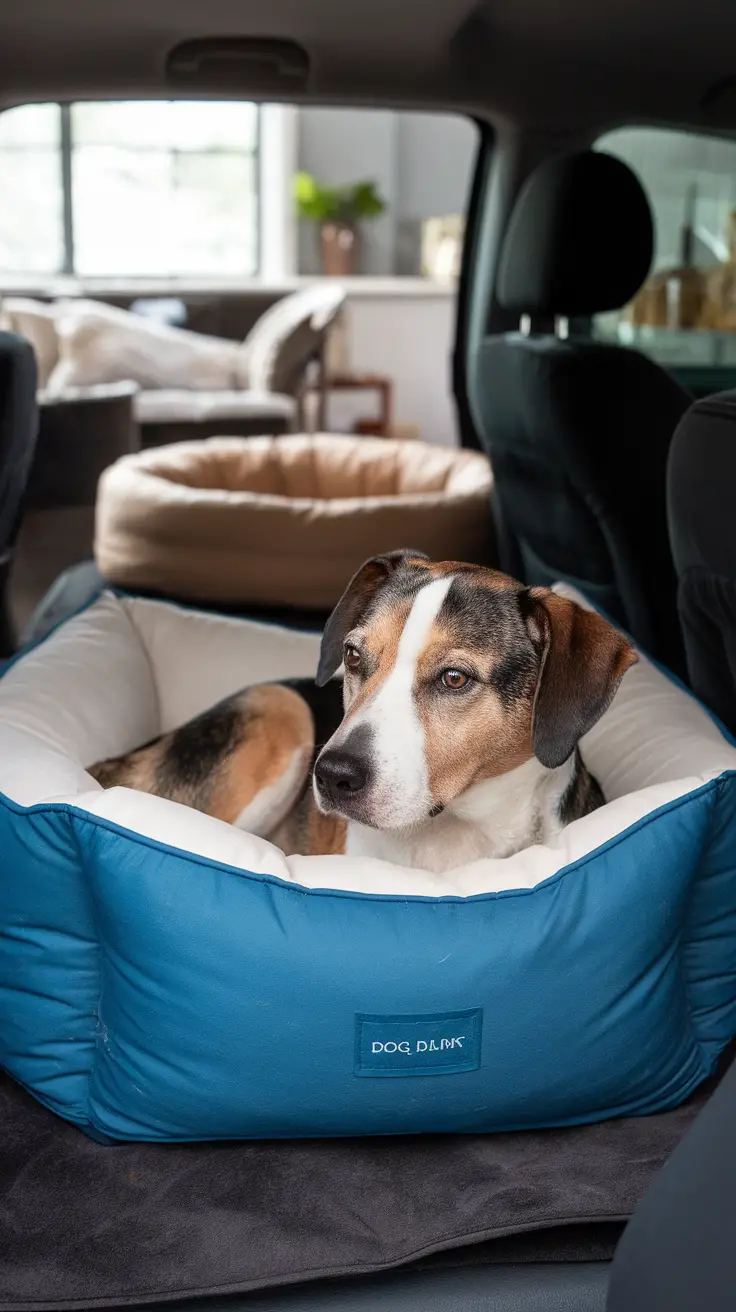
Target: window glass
x=685 y=315
x=168 y=125
x=156 y=189
x=200 y=189
x=31 y=219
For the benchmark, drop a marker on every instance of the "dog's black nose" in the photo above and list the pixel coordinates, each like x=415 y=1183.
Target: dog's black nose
x=340 y=775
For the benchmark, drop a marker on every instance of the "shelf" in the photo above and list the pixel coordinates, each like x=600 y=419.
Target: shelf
x=387 y=288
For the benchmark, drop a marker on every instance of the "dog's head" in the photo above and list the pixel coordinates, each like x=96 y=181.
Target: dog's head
x=454 y=674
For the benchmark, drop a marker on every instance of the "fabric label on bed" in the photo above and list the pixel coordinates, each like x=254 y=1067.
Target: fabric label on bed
x=442 y=1044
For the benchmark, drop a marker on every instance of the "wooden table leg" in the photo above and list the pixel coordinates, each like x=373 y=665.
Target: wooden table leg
x=321 y=389
x=387 y=408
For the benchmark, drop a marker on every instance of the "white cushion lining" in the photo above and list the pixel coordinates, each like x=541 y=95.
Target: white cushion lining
x=127 y=669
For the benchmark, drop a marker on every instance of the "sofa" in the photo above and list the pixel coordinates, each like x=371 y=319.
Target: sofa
x=112 y=381
x=190 y=384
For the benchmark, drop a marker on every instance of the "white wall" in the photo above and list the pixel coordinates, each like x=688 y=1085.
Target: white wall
x=343 y=145
x=422 y=164
x=407 y=336
x=436 y=155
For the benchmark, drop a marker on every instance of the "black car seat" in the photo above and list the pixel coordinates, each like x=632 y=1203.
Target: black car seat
x=677 y=1252
x=701 y=489
x=579 y=430
x=18 y=429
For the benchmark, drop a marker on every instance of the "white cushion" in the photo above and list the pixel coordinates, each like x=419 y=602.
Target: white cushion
x=281 y=342
x=101 y=344
x=166 y=664
x=95 y=392
x=36 y=321
x=174 y=405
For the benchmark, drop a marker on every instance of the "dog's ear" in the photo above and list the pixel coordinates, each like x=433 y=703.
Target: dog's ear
x=583 y=661
x=361 y=590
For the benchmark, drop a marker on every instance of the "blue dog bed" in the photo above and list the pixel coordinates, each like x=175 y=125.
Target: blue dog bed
x=164 y=976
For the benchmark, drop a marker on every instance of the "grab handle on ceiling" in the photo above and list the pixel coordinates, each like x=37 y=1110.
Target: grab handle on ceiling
x=242 y=64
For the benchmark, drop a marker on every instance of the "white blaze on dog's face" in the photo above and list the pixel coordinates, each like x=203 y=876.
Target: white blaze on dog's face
x=383 y=707
x=454 y=674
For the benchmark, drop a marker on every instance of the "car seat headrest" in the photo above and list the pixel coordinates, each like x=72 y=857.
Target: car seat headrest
x=580 y=239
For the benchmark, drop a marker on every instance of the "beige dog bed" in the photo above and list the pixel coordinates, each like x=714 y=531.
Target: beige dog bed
x=284 y=521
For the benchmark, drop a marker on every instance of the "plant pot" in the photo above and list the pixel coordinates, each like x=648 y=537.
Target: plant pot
x=339 y=246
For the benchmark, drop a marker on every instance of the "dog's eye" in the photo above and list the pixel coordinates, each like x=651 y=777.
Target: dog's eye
x=454 y=679
x=351 y=658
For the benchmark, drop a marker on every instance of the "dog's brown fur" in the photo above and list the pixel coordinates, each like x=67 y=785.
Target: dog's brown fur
x=224 y=759
x=542 y=672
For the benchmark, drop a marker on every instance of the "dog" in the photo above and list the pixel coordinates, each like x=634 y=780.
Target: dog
x=452 y=736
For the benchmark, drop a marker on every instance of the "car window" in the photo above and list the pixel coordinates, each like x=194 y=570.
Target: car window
x=131 y=189
x=685 y=314
x=136 y=188
x=211 y=208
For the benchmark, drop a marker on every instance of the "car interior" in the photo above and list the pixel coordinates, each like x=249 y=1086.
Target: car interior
x=591 y=366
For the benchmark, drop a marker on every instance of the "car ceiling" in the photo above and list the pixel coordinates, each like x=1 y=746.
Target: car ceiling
x=548 y=64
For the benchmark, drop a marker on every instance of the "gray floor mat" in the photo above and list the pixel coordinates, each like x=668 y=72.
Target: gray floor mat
x=86 y=1226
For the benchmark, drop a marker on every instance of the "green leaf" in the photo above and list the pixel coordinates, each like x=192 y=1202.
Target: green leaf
x=346 y=204
x=366 y=201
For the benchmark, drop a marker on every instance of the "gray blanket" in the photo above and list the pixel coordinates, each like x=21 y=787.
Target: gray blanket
x=88 y=1226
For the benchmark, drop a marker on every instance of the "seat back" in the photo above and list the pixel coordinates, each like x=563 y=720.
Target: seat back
x=18 y=428
x=701 y=483
x=578 y=431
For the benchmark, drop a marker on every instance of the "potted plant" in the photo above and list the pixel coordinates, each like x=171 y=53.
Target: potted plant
x=338 y=211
